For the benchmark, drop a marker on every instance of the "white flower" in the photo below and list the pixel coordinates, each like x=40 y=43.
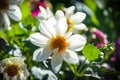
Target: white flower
x=74 y=20
x=54 y=39
x=14 y=69
x=9 y=8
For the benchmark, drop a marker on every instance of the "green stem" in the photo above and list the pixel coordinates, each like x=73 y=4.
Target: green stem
x=80 y=70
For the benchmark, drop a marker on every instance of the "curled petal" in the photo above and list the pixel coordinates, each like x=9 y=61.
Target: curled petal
x=41 y=54
x=70 y=57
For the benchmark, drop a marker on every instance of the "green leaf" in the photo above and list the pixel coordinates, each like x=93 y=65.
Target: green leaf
x=91 y=52
x=95 y=20
x=25 y=9
x=16 y=30
x=91 y=4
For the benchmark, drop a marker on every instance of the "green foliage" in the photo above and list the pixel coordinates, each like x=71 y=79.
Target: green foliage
x=108 y=72
x=91 y=52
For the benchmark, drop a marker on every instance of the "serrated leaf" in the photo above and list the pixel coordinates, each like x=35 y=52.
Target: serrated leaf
x=91 y=52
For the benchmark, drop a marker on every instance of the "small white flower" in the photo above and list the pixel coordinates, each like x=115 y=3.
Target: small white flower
x=14 y=69
x=54 y=39
x=9 y=8
x=74 y=20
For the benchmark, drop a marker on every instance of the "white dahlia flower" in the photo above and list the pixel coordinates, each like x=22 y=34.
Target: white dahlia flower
x=54 y=39
x=74 y=20
x=14 y=69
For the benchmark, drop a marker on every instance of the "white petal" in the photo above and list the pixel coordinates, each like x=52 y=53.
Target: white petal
x=44 y=31
x=78 y=17
x=69 y=11
x=13 y=78
x=5 y=76
x=26 y=73
x=38 y=39
x=6 y=20
x=41 y=54
x=52 y=20
x=49 y=12
x=41 y=73
x=76 y=42
x=59 y=14
x=80 y=26
x=37 y=72
x=70 y=57
x=56 y=62
x=14 y=13
x=22 y=77
x=43 y=14
x=47 y=28
x=61 y=26
x=12 y=2
x=68 y=34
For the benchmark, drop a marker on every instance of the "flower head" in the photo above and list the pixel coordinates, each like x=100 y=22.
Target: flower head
x=9 y=8
x=14 y=68
x=74 y=20
x=54 y=39
x=99 y=37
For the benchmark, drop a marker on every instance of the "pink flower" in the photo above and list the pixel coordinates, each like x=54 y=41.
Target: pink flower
x=35 y=6
x=100 y=39
x=117 y=47
x=113 y=58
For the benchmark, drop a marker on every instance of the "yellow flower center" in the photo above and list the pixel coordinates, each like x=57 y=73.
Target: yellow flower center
x=58 y=42
x=70 y=25
x=4 y=4
x=12 y=70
